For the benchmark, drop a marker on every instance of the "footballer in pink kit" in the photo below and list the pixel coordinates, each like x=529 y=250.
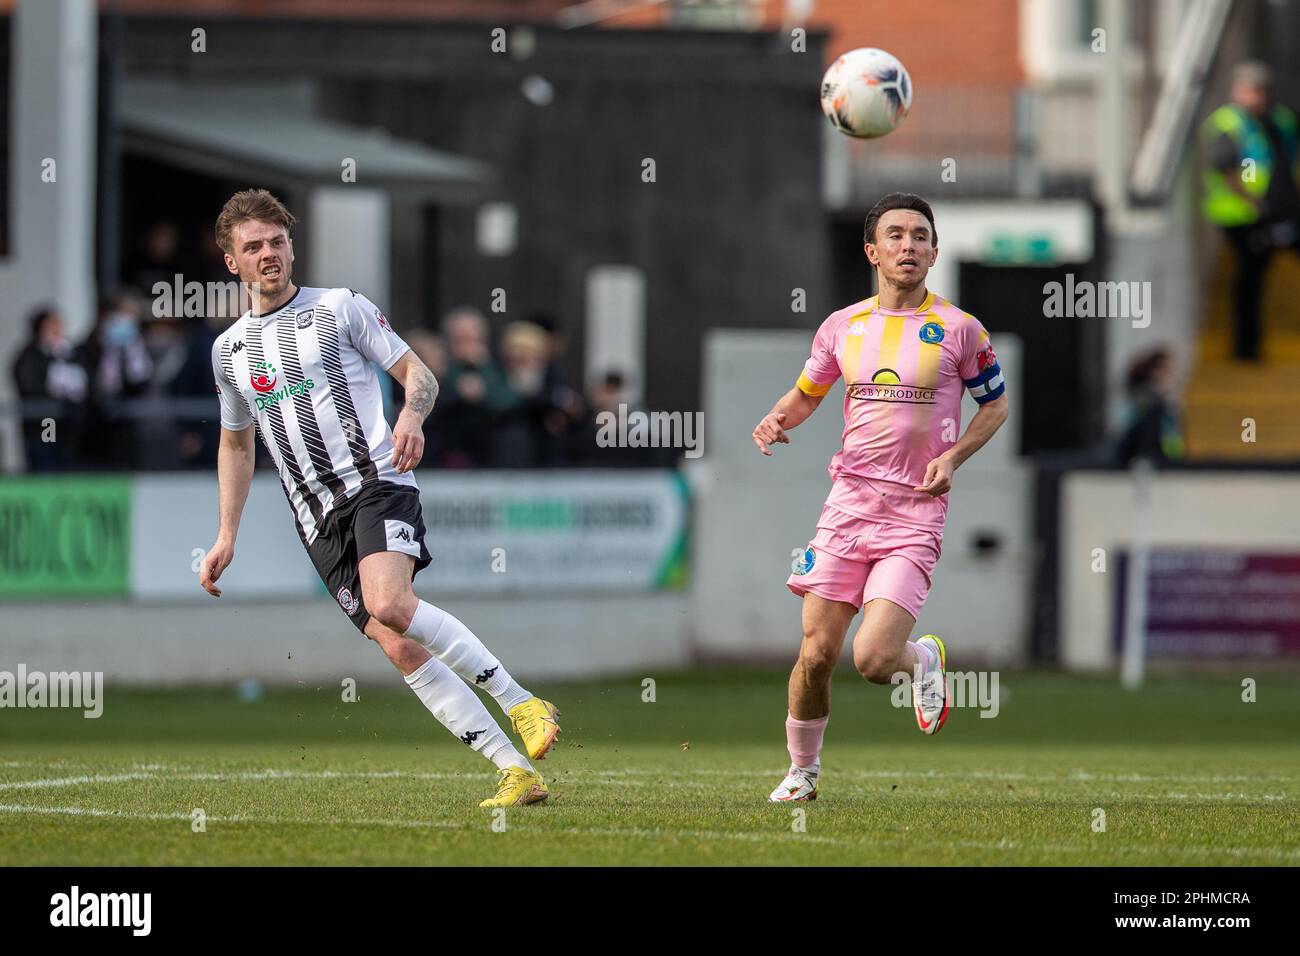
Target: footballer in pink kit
x=905 y=355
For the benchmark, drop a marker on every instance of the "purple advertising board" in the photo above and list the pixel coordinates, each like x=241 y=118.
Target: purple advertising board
x=1217 y=603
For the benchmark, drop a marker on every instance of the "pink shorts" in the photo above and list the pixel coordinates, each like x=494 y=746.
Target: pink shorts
x=856 y=560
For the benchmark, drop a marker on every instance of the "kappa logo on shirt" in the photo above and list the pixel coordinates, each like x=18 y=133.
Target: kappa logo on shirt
x=400 y=536
x=858 y=328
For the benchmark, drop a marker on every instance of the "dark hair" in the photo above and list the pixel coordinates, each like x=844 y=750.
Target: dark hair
x=546 y=320
x=1143 y=369
x=898 y=201
x=39 y=315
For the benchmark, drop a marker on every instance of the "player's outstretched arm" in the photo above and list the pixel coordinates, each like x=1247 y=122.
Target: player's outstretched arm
x=792 y=409
x=421 y=392
x=989 y=418
x=235 y=458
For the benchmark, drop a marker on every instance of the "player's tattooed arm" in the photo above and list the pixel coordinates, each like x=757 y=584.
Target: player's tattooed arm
x=419 y=384
x=421 y=391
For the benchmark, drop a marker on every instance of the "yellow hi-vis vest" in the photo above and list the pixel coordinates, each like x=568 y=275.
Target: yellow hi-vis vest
x=1221 y=205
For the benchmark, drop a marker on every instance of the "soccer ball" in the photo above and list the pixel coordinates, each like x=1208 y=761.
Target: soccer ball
x=866 y=93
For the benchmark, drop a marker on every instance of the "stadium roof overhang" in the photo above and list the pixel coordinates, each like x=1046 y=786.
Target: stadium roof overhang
x=246 y=131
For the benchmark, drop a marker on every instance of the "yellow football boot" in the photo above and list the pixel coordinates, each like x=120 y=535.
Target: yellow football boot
x=535 y=720
x=516 y=788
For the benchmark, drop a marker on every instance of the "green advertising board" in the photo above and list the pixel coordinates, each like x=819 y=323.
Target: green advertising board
x=65 y=536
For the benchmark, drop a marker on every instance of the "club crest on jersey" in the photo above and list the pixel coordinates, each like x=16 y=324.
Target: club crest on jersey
x=303 y=319
x=262 y=377
x=804 y=560
x=932 y=333
x=347 y=601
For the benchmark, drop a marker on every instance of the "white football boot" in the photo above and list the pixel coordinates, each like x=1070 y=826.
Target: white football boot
x=800 y=784
x=930 y=692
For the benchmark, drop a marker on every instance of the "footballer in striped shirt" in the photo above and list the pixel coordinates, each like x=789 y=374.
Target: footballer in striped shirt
x=300 y=372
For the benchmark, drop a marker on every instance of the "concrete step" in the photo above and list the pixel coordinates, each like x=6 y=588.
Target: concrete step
x=1221 y=391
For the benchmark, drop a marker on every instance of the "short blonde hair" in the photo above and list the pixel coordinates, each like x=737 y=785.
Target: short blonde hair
x=250 y=204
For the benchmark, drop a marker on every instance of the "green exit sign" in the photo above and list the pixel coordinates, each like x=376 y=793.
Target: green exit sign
x=1020 y=248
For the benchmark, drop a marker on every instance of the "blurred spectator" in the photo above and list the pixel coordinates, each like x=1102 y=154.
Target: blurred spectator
x=567 y=422
x=557 y=343
x=1151 y=428
x=161 y=260
x=159 y=434
x=50 y=384
x=118 y=365
x=610 y=396
x=211 y=265
x=1257 y=204
x=200 y=427
x=474 y=392
x=608 y=393
x=526 y=435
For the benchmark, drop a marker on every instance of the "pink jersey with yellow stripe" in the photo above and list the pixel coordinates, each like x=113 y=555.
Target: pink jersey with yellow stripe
x=903 y=370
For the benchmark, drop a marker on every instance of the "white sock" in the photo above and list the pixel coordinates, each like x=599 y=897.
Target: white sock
x=459 y=709
x=456 y=646
x=926 y=656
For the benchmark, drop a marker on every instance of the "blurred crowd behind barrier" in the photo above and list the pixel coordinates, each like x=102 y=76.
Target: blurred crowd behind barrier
x=137 y=393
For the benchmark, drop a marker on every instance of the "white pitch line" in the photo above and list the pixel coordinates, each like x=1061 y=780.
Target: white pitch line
x=619 y=778
x=1076 y=776
x=236 y=818
x=679 y=780
x=74 y=781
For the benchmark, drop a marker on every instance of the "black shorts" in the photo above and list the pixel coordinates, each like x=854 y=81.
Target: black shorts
x=380 y=517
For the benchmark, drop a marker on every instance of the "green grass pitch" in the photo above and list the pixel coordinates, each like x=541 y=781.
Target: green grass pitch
x=1185 y=772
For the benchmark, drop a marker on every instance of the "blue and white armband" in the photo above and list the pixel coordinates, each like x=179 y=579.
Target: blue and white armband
x=987 y=385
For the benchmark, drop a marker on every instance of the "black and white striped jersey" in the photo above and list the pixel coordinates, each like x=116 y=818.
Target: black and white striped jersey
x=303 y=375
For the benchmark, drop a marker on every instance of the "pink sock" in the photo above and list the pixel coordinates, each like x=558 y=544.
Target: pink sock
x=803 y=738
